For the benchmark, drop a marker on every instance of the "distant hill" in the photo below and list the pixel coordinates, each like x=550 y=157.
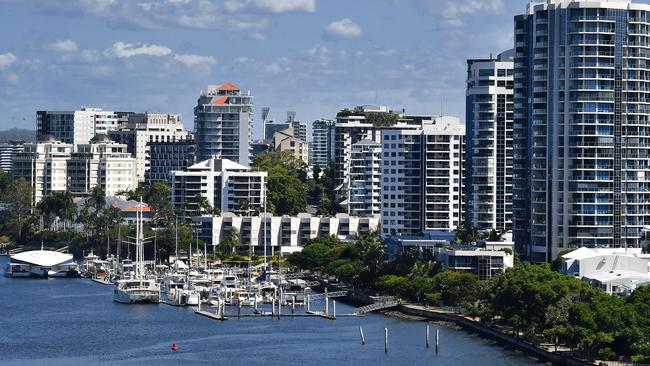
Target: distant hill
x=18 y=134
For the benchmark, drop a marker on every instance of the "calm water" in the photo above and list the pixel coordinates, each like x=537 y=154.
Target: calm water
x=72 y=322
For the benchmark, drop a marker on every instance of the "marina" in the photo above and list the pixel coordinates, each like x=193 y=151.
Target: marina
x=91 y=328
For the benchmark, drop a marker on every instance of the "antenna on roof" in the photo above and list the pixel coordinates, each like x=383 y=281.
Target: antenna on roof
x=265 y=115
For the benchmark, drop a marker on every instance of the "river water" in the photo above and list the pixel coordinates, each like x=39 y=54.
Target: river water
x=75 y=322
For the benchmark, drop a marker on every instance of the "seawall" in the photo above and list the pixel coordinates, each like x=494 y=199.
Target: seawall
x=494 y=334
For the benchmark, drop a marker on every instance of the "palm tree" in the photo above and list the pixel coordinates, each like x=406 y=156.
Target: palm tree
x=230 y=241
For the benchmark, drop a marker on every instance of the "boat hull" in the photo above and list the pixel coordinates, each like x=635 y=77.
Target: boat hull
x=136 y=297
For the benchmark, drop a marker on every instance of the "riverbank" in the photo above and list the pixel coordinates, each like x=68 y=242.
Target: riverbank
x=472 y=326
x=422 y=313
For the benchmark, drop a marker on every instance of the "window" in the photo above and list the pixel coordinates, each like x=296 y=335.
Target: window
x=486 y=72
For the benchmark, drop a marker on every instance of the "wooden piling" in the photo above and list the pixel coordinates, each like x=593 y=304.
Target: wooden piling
x=334 y=308
x=363 y=339
x=385 y=340
x=437 y=338
x=427 y=337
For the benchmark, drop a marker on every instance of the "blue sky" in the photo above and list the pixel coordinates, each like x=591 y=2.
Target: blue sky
x=312 y=56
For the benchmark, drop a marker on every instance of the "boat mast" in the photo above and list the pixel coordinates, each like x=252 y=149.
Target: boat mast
x=265 y=218
x=176 y=227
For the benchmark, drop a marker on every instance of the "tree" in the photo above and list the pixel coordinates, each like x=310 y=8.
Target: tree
x=230 y=241
x=57 y=205
x=456 y=288
x=286 y=187
x=97 y=199
x=18 y=197
x=158 y=197
x=466 y=234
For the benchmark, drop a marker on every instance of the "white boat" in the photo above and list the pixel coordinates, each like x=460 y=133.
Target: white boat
x=138 y=289
x=42 y=264
x=247 y=298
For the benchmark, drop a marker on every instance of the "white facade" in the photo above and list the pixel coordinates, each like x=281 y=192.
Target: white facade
x=101 y=163
x=78 y=127
x=145 y=128
x=485 y=263
x=489 y=144
x=364 y=179
x=422 y=177
x=615 y=270
x=44 y=166
x=285 y=234
x=224 y=184
x=7 y=152
x=223 y=120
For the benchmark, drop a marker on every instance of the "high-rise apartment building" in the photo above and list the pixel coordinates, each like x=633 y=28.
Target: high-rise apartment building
x=7 y=152
x=166 y=157
x=422 y=176
x=351 y=127
x=101 y=163
x=44 y=165
x=223 y=184
x=489 y=143
x=223 y=120
x=322 y=146
x=145 y=128
x=581 y=114
x=78 y=127
x=364 y=179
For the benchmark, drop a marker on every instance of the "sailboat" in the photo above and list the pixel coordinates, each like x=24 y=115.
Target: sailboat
x=138 y=289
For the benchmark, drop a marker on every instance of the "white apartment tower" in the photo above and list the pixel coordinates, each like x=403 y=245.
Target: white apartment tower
x=8 y=151
x=78 y=127
x=489 y=144
x=364 y=179
x=223 y=120
x=224 y=184
x=422 y=177
x=44 y=165
x=581 y=131
x=101 y=163
x=145 y=128
x=351 y=127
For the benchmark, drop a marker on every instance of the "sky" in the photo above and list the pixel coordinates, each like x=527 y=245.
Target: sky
x=314 y=57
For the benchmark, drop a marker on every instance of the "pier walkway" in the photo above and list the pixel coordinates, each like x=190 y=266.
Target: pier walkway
x=377 y=306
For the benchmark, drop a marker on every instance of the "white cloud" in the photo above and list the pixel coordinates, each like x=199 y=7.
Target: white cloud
x=452 y=11
x=270 y=6
x=127 y=50
x=7 y=59
x=192 y=60
x=319 y=52
x=344 y=28
x=284 y=6
x=66 y=45
x=273 y=68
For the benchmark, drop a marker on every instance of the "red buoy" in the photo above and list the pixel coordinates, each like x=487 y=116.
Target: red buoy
x=174 y=347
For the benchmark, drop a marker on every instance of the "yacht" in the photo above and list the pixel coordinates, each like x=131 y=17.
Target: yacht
x=139 y=288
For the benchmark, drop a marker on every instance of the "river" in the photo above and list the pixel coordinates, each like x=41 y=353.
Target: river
x=75 y=322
